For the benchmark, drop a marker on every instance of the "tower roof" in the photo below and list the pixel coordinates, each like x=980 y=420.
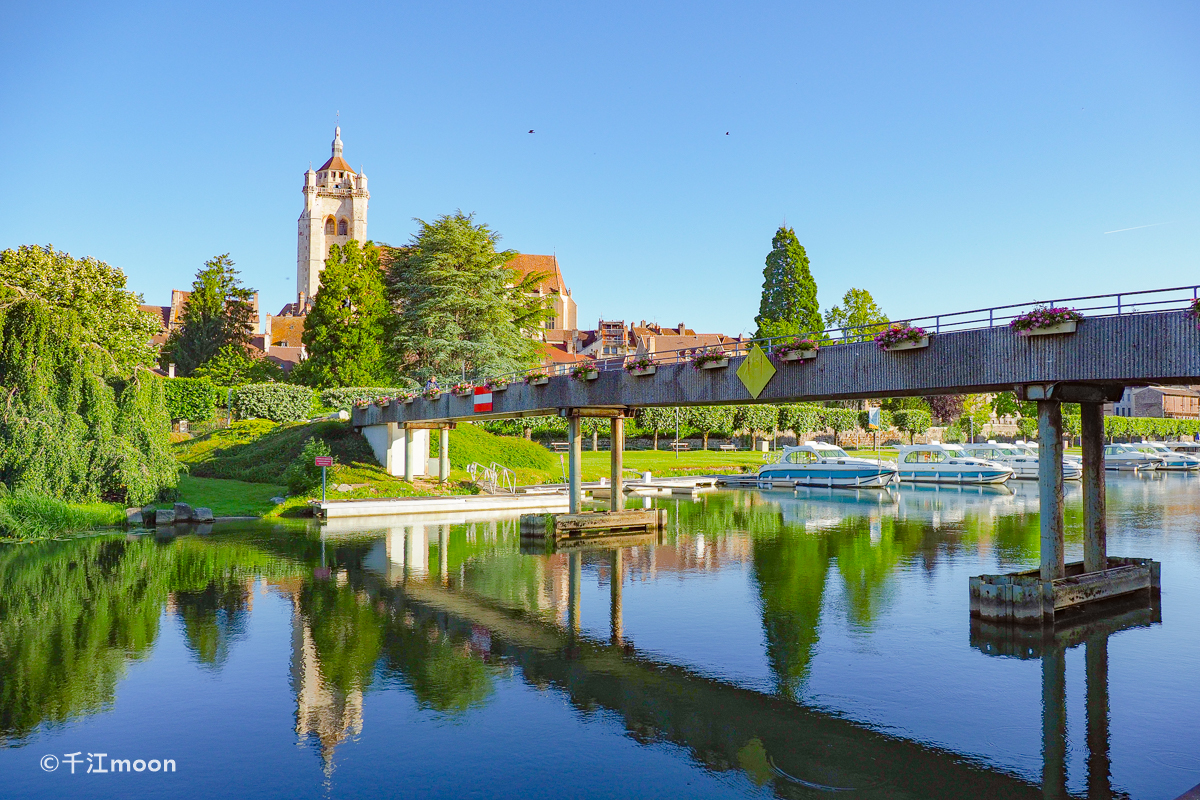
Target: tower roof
x=336 y=162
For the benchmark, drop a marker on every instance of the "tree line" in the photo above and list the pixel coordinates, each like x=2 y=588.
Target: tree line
x=443 y=306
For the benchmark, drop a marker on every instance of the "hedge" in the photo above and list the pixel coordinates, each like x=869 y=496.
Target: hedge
x=344 y=398
x=1156 y=427
x=193 y=399
x=278 y=402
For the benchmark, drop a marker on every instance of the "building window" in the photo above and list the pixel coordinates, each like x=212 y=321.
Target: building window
x=329 y=227
x=341 y=227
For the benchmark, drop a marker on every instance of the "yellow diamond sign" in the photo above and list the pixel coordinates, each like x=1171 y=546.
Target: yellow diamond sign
x=756 y=371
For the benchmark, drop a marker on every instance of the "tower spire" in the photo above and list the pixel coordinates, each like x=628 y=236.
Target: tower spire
x=337 y=141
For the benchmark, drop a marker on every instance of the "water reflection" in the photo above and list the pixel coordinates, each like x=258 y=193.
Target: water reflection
x=451 y=613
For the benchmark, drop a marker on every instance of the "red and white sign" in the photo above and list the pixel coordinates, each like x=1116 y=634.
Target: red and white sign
x=483 y=399
x=323 y=461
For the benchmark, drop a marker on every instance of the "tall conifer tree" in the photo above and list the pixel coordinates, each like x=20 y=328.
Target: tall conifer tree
x=455 y=306
x=789 y=294
x=217 y=313
x=344 y=331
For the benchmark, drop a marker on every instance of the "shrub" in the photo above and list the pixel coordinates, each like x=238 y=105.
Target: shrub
x=303 y=474
x=193 y=399
x=345 y=398
x=278 y=402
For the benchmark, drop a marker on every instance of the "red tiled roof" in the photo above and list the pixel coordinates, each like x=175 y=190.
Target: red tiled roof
x=525 y=263
x=287 y=331
x=286 y=357
x=162 y=312
x=336 y=162
x=553 y=354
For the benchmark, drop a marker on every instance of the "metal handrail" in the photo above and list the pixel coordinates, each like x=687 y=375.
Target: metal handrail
x=1144 y=301
x=502 y=474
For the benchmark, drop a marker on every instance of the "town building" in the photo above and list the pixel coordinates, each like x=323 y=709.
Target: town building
x=1171 y=402
x=335 y=211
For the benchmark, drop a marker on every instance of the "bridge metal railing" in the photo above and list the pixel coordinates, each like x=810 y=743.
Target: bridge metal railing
x=1178 y=298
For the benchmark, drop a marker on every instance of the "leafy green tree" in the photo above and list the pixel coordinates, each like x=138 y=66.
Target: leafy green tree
x=759 y=418
x=232 y=365
x=92 y=292
x=344 y=330
x=913 y=421
x=656 y=419
x=1005 y=405
x=799 y=418
x=839 y=419
x=218 y=312
x=858 y=316
x=789 y=294
x=977 y=412
x=710 y=419
x=456 y=308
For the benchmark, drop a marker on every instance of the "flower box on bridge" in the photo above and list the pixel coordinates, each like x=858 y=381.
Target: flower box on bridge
x=909 y=344
x=540 y=380
x=799 y=355
x=1052 y=330
x=713 y=363
x=641 y=372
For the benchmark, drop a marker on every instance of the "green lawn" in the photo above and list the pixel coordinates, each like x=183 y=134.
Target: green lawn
x=227 y=498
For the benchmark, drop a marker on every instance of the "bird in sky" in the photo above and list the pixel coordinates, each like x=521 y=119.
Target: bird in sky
x=531 y=130
x=726 y=133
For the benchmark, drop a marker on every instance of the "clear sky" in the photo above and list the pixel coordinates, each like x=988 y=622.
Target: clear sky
x=942 y=156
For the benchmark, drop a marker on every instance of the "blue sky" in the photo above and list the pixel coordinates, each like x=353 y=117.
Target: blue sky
x=944 y=156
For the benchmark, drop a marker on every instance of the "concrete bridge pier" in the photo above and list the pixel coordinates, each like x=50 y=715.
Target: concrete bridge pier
x=1050 y=488
x=574 y=462
x=444 y=454
x=616 y=465
x=1036 y=596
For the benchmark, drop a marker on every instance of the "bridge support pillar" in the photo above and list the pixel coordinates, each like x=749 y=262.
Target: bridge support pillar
x=1050 y=489
x=574 y=462
x=444 y=454
x=617 y=495
x=409 y=459
x=1095 y=531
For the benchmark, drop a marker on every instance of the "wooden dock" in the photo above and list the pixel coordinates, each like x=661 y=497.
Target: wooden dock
x=580 y=528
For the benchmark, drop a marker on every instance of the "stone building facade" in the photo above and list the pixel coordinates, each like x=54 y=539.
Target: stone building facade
x=335 y=211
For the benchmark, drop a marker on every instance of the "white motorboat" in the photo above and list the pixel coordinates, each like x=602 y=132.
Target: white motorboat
x=948 y=463
x=820 y=464
x=1187 y=448
x=1022 y=458
x=1172 y=460
x=1126 y=457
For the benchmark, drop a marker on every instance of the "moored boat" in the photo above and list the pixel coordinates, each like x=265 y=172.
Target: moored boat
x=820 y=464
x=948 y=463
x=1022 y=458
x=1128 y=458
x=1172 y=460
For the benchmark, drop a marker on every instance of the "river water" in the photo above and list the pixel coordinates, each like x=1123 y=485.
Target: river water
x=793 y=644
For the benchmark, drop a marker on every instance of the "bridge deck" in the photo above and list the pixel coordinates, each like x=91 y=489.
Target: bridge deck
x=1121 y=350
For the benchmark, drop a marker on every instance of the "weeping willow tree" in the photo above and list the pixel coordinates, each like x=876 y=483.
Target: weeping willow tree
x=74 y=424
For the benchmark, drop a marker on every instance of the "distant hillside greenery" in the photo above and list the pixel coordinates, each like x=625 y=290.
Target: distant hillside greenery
x=84 y=419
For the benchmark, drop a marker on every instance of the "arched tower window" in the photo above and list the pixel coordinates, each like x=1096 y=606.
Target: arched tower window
x=341 y=227
x=329 y=227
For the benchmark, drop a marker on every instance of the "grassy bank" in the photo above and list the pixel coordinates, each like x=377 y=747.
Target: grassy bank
x=27 y=515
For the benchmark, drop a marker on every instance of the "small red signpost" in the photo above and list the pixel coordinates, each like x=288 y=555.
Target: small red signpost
x=323 y=462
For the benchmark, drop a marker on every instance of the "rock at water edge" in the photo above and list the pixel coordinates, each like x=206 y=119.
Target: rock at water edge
x=202 y=514
x=133 y=517
x=183 y=512
x=164 y=516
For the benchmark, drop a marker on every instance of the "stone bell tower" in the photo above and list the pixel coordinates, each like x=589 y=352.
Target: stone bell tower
x=335 y=211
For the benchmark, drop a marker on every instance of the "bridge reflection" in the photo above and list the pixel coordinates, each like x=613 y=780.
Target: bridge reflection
x=1050 y=644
